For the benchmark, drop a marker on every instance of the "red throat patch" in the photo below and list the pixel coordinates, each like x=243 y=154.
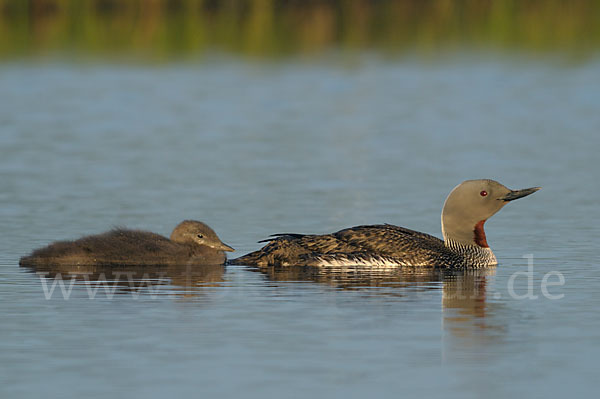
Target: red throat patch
x=480 y=235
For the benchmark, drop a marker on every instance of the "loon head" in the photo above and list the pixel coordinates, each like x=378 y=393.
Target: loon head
x=470 y=204
x=194 y=232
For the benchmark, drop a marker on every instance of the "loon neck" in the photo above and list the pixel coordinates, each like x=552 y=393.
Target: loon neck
x=479 y=235
x=474 y=254
x=459 y=247
x=464 y=232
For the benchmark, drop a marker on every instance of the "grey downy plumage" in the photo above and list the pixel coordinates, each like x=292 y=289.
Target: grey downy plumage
x=191 y=242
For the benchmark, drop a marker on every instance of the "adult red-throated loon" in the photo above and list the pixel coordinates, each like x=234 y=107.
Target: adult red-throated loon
x=465 y=211
x=191 y=242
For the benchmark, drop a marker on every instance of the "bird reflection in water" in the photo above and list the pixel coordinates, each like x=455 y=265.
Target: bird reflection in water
x=181 y=280
x=471 y=316
x=464 y=297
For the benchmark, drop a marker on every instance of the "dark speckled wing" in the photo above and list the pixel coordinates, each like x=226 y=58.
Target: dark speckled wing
x=378 y=243
x=387 y=239
x=292 y=249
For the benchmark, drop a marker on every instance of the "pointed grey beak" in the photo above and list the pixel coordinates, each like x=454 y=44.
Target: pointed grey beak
x=224 y=247
x=516 y=194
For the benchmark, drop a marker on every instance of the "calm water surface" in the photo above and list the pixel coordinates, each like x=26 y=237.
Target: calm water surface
x=260 y=148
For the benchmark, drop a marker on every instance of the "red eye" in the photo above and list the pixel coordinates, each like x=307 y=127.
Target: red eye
x=483 y=193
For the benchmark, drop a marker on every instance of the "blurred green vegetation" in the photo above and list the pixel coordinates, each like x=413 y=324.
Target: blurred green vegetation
x=164 y=29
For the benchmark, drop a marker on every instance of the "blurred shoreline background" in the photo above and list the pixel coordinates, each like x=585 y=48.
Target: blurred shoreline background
x=177 y=29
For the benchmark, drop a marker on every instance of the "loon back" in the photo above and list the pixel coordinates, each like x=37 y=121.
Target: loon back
x=375 y=245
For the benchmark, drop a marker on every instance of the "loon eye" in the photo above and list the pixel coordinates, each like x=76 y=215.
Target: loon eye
x=483 y=193
x=200 y=236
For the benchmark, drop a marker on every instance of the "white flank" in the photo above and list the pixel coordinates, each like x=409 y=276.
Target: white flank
x=373 y=261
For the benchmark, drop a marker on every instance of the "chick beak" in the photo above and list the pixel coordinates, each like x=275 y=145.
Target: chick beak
x=224 y=247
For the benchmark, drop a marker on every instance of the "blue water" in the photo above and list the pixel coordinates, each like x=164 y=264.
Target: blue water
x=254 y=148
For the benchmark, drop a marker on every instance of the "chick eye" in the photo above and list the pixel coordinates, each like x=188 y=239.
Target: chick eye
x=200 y=236
x=483 y=193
